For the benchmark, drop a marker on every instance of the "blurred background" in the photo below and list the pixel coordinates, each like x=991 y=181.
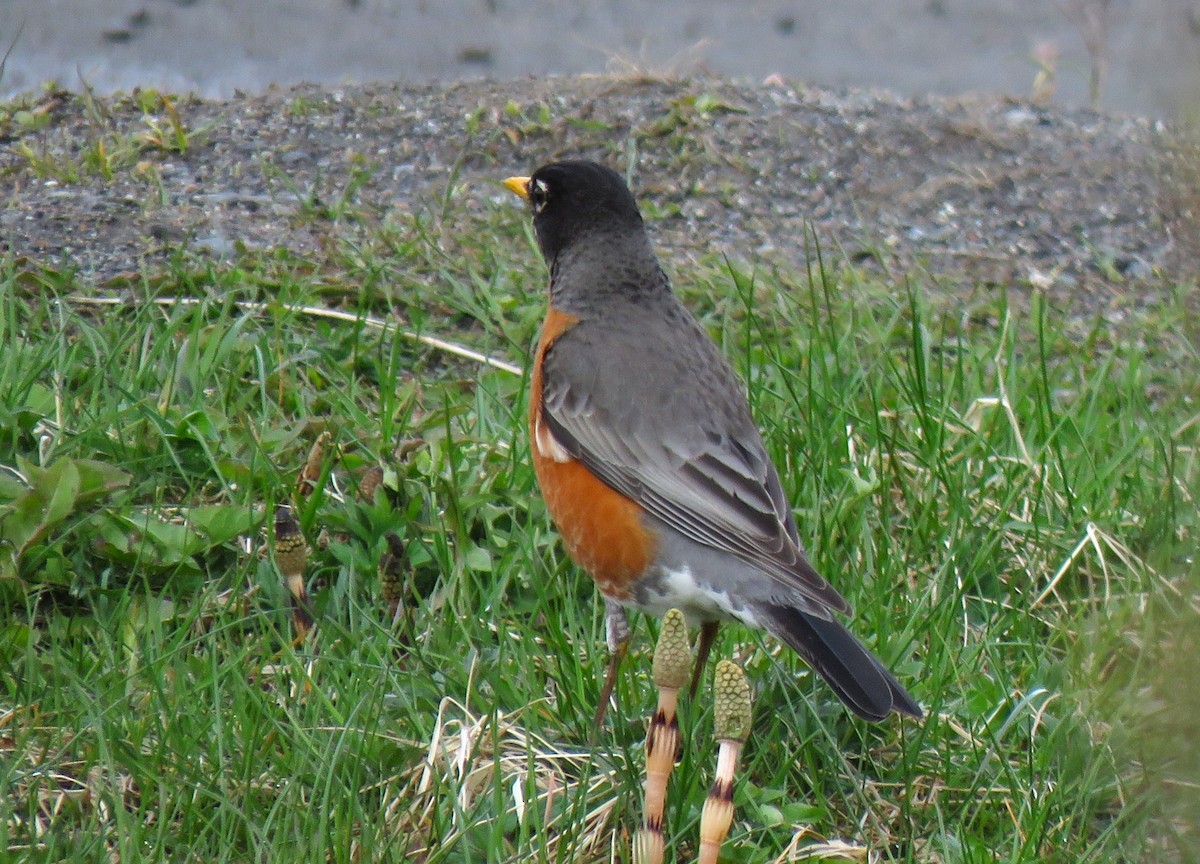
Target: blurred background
x=1125 y=56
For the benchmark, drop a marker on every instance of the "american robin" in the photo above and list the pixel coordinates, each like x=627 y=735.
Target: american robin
x=650 y=463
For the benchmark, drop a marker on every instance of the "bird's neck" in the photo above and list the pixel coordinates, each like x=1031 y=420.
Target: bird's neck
x=591 y=276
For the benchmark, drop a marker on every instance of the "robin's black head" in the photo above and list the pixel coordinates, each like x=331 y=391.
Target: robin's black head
x=574 y=200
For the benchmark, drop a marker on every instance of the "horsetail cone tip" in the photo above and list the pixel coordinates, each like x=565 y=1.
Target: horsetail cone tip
x=731 y=695
x=291 y=549
x=673 y=653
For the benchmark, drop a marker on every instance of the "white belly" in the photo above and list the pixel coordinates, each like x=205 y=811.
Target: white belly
x=679 y=589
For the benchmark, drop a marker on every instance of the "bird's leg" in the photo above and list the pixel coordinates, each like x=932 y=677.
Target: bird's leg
x=731 y=728
x=616 y=625
x=672 y=659
x=708 y=633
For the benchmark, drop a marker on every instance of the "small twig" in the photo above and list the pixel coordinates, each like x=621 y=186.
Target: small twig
x=1052 y=585
x=321 y=312
x=11 y=46
x=1091 y=19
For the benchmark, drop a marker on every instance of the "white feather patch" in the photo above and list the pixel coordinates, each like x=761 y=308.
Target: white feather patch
x=547 y=446
x=680 y=589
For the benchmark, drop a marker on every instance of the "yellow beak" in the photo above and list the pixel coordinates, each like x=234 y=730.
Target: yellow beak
x=519 y=186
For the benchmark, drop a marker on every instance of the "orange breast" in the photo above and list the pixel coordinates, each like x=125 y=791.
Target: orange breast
x=602 y=530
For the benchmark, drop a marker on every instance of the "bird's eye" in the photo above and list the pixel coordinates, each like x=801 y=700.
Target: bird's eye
x=538 y=195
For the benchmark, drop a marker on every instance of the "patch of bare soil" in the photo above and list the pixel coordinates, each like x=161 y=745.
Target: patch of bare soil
x=1088 y=208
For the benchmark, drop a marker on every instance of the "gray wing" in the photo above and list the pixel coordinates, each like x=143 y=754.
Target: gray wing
x=664 y=421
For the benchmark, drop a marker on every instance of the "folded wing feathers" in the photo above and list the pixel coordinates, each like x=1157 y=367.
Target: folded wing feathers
x=713 y=498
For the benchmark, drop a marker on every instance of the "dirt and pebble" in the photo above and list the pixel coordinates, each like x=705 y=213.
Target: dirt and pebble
x=1086 y=208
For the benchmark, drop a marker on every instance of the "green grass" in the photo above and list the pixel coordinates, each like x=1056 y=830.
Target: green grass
x=1004 y=493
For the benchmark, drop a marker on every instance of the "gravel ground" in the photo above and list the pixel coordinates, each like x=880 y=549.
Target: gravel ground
x=1079 y=205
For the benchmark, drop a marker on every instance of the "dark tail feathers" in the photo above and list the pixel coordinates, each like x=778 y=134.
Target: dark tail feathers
x=855 y=674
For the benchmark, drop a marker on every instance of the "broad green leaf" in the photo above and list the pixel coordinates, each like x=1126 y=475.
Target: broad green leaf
x=51 y=495
x=221 y=523
x=99 y=478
